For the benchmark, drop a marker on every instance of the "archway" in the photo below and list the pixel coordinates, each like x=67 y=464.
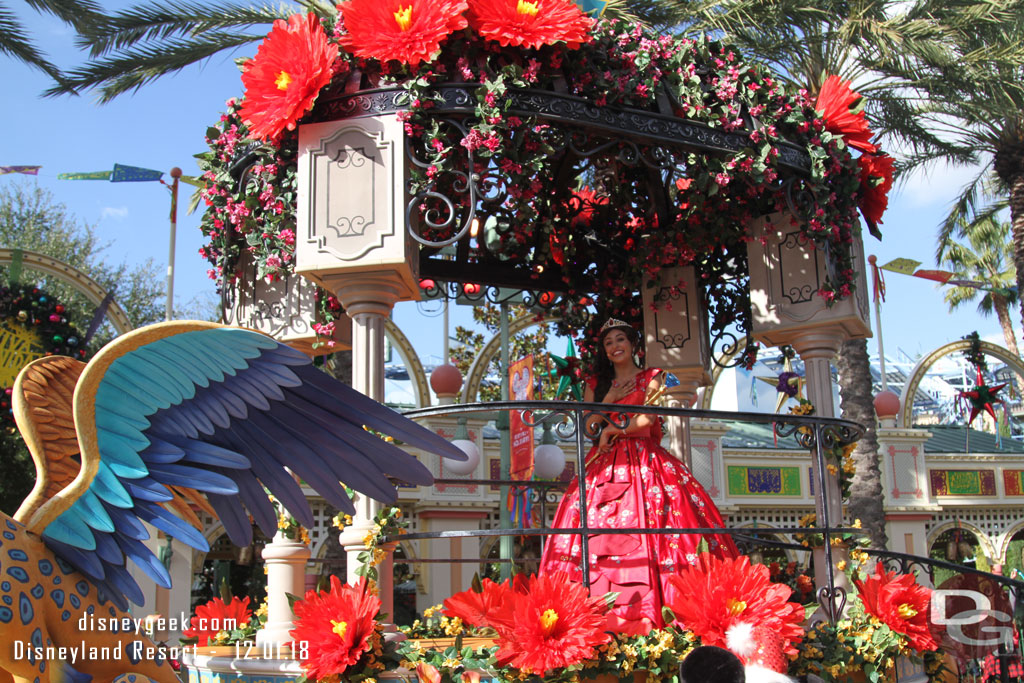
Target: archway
x=478 y=370
x=906 y=415
x=73 y=277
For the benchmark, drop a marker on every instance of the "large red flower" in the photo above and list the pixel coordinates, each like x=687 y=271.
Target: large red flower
x=530 y=23
x=282 y=81
x=337 y=625
x=555 y=623
x=216 y=616
x=714 y=594
x=899 y=603
x=875 y=183
x=843 y=111
x=489 y=607
x=409 y=31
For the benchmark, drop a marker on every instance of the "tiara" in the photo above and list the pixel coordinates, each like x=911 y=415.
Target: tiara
x=613 y=322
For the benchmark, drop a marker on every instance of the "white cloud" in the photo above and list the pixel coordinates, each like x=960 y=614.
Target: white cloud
x=115 y=212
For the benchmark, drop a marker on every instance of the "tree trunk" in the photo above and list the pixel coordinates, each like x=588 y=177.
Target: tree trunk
x=1017 y=230
x=855 y=391
x=1003 y=314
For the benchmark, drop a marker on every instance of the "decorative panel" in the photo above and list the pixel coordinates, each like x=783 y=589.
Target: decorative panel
x=763 y=481
x=962 y=482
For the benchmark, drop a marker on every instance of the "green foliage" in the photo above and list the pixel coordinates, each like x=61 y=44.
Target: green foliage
x=32 y=219
x=533 y=340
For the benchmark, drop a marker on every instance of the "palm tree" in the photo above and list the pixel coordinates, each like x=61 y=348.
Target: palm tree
x=14 y=38
x=804 y=43
x=138 y=45
x=987 y=257
x=977 y=111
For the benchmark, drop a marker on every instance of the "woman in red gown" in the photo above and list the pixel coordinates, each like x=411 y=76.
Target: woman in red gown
x=632 y=482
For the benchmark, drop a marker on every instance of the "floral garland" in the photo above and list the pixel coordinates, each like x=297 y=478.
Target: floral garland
x=609 y=240
x=250 y=193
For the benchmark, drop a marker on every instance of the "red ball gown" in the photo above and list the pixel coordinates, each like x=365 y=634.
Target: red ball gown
x=636 y=484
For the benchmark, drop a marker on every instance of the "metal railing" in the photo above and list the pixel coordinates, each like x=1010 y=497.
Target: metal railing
x=568 y=419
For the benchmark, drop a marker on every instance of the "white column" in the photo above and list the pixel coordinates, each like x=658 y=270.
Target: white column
x=817 y=347
x=286 y=573
x=678 y=428
x=368 y=299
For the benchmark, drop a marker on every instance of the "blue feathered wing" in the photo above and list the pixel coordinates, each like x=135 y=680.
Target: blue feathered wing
x=222 y=411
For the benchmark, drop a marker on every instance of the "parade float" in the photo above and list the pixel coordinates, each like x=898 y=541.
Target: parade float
x=389 y=151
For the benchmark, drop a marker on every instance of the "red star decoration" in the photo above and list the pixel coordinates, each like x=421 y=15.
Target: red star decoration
x=982 y=398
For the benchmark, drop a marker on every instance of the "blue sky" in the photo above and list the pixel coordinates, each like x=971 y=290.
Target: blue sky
x=163 y=124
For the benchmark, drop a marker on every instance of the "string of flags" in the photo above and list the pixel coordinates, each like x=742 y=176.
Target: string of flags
x=906 y=266
x=119 y=174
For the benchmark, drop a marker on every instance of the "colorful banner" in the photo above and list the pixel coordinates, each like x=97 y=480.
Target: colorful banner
x=520 y=381
x=906 y=266
x=962 y=482
x=120 y=174
x=91 y=175
x=763 y=481
x=27 y=170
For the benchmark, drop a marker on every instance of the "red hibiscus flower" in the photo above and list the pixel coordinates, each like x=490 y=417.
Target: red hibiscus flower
x=530 y=23
x=337 y=625
x=408 y=31
x=843 y=111
x=555 y=624
x=714 y=594
x=282 y=81
x=875 y=183
x=899 y=603
x=216 y=616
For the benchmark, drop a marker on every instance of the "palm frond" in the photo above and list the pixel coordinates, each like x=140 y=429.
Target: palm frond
x=77 y=13
x=144 y=26
x=14 y=42
x=132 y=69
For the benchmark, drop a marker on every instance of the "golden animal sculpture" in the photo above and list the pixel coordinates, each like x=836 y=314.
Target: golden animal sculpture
x=170 y=416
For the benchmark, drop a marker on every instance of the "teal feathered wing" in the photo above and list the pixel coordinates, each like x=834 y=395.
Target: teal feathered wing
x=222 y=411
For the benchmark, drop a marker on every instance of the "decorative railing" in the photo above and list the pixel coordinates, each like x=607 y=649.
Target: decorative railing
x=567 y=419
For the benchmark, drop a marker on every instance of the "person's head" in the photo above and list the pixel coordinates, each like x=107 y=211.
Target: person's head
x=618 y=341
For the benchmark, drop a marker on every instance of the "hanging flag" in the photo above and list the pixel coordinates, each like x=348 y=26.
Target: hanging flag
x=134 y=174
x=92 y=175
x=520 y=379
x=877 y=281
x=120 y=174
x=27 y=170
x=902 y=265
x=942 y=276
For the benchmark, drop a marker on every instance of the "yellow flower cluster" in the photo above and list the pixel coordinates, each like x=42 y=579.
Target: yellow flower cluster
x=341 y=520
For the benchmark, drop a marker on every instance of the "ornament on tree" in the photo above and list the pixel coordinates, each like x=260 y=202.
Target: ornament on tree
x=569 y=373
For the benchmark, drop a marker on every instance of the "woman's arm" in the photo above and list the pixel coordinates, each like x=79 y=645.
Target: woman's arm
x=594 y=422
x=636 y=424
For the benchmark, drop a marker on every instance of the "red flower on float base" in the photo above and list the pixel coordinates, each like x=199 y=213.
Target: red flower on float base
x=292 y=65
x=899 y=603
x=408 y=31
x=714 y=594
x=530 y=23
x=489 y=607
x=843 y=111
x=216 y=616
x=555 y=623
x=875 y=182
x=337 y=625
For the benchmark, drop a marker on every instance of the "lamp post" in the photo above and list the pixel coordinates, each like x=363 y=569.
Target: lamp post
x=169 y=312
